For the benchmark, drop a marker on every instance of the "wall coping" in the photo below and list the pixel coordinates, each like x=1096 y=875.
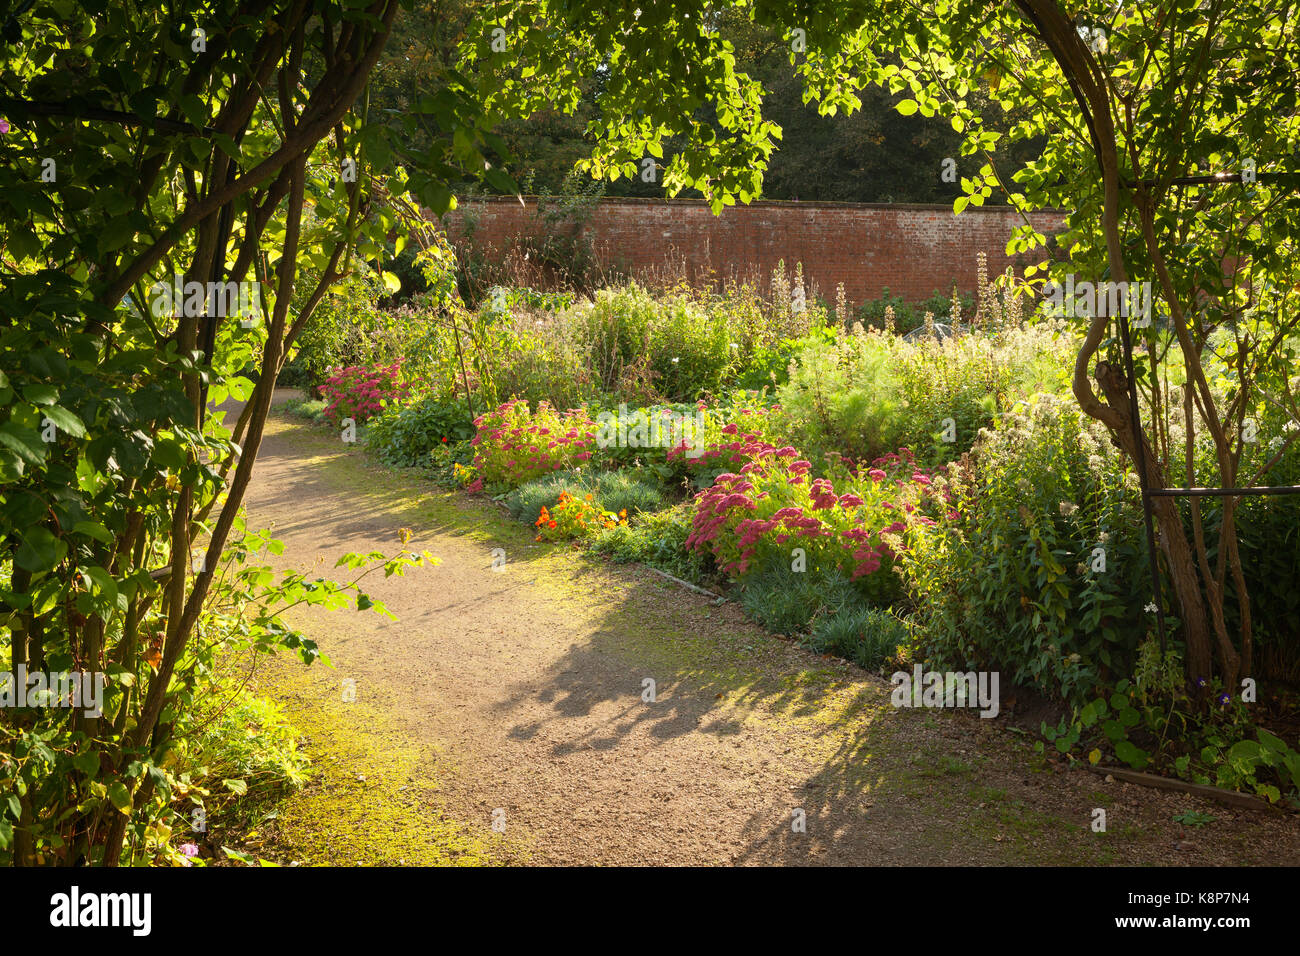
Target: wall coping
x=769 y=203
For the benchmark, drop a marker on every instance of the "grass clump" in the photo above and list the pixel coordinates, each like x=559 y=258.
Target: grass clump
x=659 y=540
x=867 y=636
x=786 y=601
x=614 y=491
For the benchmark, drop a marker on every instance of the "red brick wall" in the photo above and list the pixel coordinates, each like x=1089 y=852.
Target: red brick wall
x=912 y=250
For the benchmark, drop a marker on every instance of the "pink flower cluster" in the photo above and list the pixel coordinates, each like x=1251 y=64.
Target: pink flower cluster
x=732 y=442
x=360 y=392
x=514 y=445
x=759 y=515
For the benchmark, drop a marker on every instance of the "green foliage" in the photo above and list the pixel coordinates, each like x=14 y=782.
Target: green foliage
x=405 y=435
x=673 y=344
x=243 y=754
x=1154 y=724
x=657 y=538
x=614 y=491
x=349 y=329
x=862 y=394
x=534 y=356
x=1015 y=584
x=312 y=409
x=867 y=636
x=786 y=601
x=57 y=767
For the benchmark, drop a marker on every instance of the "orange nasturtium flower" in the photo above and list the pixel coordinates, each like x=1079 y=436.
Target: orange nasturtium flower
x=550 y=524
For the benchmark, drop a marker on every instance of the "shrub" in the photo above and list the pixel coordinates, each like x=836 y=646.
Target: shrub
x=844 y=395
x=406 y=434
x=786 y=601
x=1013 y=583
x=756 y=519
x=860 y=394
x=683 y=348
x=360 y=392
x=514 y=446
x=312 y=410
x=534 y=355
x=867 y=636
x=348 y=329
x=657 y=538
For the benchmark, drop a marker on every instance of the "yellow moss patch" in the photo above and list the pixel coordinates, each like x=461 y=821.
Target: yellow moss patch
x=372 y=797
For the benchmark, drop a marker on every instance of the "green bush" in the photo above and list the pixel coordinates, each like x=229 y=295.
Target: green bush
x=312 y=409
x=786 y=601
x=863 y=394
x=676 y=345
x=537 y=356
x=1014 y=583
x=348 y=328
x=406 y=434
x=843 y=396
x=867 y=636
x=240 y=738
x=657 y=538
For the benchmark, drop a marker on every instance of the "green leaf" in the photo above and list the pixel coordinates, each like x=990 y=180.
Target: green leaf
x=120 y=797
x=93 y=529
x=65 y=421
x=238 y=787
x=1131 y=754
x=23 y=442
x=39 y=550
x=87 y=763
x=40 y=394
x=906 y=107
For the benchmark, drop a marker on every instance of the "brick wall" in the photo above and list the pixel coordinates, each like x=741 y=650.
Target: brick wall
x=912 y=250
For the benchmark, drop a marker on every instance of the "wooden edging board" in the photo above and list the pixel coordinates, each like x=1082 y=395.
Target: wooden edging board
x=1230 y=797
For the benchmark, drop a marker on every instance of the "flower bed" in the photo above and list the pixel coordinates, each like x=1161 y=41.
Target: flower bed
x=575 y=517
